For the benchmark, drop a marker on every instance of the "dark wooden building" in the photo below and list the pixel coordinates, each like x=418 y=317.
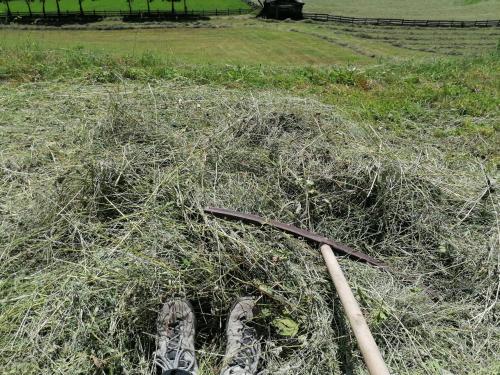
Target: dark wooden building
x=282 y=9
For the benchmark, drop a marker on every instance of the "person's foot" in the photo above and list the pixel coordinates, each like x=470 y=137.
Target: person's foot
x=175 y=342
x=243 y=347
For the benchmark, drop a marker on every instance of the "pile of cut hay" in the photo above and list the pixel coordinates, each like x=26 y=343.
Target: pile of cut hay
x=101 y=195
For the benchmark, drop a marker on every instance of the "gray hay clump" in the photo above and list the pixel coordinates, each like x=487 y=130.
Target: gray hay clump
x=102 y=220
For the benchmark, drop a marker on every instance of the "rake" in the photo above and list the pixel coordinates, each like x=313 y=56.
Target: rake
x=367 y=345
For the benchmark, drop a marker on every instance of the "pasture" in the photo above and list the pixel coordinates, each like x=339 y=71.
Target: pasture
x=409 y=9
x=123 y=5
x=114 y=136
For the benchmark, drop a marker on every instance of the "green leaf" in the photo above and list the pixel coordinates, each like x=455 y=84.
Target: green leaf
x=286 y=326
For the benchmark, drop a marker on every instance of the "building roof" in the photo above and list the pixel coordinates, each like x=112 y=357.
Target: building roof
x=284 y=1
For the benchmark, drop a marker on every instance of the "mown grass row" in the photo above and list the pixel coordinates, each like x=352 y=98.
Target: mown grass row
x=448 y=42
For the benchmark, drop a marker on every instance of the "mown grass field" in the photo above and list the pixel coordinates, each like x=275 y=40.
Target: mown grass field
x=245 y=41
x=112 y=141
x=238 y=45
x=116 y=5
x=409 y=9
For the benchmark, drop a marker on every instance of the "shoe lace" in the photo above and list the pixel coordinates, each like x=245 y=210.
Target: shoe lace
x=183 y=358
x=248 y=351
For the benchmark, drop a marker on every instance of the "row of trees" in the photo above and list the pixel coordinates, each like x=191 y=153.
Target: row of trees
x=80 y=4
x=7 y=3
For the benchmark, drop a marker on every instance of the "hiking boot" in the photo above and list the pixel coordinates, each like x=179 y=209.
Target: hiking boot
x=175 y=343
x=243 y=347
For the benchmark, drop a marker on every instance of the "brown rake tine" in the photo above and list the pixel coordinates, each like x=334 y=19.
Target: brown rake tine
x=254 y=219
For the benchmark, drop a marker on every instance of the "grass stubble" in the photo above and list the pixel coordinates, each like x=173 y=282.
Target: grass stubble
x=102 y=185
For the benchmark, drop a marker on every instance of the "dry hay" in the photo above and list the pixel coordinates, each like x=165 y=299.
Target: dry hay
x=101 y=197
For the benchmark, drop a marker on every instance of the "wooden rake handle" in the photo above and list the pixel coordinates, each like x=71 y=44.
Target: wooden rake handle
x=367 y=345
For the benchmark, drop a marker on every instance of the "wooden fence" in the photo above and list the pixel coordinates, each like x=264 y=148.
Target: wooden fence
x=190 y=14
x=400 y=22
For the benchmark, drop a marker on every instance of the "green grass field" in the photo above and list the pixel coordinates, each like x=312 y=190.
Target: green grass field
x=112 y=141
x=238 y=45
x=409 y=9
x=90 y=5
x=245 y=41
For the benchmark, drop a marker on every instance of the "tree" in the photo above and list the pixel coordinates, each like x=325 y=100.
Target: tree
x=173 y=8
x=129 y=6
x=43 y=7
x=29 y=6
x=58 y=8
x=185 y=7
x=147 y=2
x=8 y=6
x=81 y=7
